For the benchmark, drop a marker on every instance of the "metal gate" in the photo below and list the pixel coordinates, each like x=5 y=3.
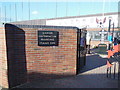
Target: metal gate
x=81 y=49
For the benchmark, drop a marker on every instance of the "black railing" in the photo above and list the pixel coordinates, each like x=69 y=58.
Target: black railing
x=113 y=66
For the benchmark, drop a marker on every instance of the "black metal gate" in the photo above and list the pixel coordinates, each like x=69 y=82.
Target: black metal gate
x=81 y=49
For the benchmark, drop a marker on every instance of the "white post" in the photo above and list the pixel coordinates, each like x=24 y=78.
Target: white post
x=102 y=35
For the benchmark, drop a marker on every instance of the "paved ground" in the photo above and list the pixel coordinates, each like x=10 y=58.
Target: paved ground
x=93 y=76
x=0 y=88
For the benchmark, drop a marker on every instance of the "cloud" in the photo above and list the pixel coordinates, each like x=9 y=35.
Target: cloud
x=34 y=12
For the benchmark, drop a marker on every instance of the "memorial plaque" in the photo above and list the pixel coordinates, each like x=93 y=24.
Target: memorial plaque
x=48 y=38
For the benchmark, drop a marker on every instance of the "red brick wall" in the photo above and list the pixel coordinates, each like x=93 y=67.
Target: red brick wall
x=3 y=60
x=51 y=61
x=27 y=61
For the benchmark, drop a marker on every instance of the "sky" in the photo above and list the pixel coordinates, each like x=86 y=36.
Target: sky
x=19 y=10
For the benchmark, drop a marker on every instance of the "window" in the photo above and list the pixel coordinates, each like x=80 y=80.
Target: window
x=96 y=36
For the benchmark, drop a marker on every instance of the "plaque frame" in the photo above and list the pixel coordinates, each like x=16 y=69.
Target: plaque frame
x=48 y=38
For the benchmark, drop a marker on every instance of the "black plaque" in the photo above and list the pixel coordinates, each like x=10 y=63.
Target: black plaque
x=48 y=38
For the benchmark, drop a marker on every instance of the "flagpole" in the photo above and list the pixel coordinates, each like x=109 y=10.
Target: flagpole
x=56 y=8
x=15 y=12
x=0 y=16
x=5 y=13
x=10 y=12
x=29 y=8
x=103 y=8
x=66 y=7
x=22 y=11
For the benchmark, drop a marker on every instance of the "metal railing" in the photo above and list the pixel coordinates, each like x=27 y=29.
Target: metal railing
x=113 y=66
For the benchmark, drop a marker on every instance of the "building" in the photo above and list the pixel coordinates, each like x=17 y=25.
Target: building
x=84 y=21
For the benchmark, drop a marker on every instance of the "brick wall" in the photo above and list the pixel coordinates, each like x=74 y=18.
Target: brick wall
x=27 y=61
x=3 y=59
x=51 y=61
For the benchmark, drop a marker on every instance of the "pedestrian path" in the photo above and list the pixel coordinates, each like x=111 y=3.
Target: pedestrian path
x=0 y=87
x=93 y=75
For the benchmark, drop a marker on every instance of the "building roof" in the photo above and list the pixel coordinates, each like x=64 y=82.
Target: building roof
x=91 y=15
x=39 y=26
x=43 y=21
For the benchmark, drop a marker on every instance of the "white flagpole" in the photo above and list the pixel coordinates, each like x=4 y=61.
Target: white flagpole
x=29 y=8
x=10 y=13
x=22 y=10
x=15 y=12
x=66 y=7
x=5 y=14
x=0 y=16
x=56 y=8
x=103 y=7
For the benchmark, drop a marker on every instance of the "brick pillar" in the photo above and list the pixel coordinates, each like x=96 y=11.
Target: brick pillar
x=3 y=60
x=26 y=61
